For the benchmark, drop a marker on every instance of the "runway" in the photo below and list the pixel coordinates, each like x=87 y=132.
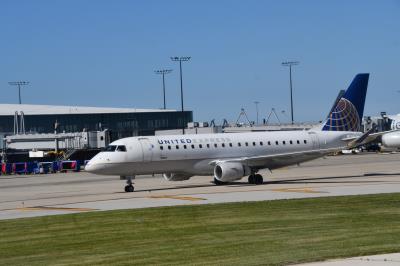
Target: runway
x=61 y=193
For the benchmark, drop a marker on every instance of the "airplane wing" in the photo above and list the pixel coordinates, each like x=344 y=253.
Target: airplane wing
x=274 y=161
x=366 y=138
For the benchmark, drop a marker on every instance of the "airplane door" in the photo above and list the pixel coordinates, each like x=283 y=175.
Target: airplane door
x=147 y=149
x=163 y=153
x=315 y=140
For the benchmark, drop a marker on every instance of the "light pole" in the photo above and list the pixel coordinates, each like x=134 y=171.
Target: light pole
x=180 y=60
x=163 y=72
x=256 y=103
x=290 y=64
x=19 y=84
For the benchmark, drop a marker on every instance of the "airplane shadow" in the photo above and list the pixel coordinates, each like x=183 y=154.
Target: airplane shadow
x=331 y=179
x=314 y=180
x=172 y=188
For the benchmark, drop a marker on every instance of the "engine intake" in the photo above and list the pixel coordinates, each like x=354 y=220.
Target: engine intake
x=176 y=176
x=230 y=171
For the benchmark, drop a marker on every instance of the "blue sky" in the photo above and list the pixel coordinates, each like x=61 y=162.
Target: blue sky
x=103 y=53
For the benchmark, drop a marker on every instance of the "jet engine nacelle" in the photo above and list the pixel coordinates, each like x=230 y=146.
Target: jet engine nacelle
x=176 y=177
x=230 y=171
x=391 y=140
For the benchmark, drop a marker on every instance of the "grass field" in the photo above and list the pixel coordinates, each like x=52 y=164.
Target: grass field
x=269 y=232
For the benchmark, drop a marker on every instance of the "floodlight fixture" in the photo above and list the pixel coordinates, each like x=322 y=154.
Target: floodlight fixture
x=290 y=64
x=163 y=72
x=19 y=84
x=181 y=59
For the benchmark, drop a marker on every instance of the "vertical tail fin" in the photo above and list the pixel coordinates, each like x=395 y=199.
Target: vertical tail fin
x=348 y=112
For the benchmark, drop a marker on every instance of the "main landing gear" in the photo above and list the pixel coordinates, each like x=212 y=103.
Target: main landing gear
x=218 y=183
x=129 y=184
x=256 y=179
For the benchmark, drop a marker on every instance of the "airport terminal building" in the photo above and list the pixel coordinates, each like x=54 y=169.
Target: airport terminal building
x=121 y=122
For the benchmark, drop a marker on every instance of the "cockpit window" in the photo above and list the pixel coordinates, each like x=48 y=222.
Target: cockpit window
x=111 y=148
x=121 y=148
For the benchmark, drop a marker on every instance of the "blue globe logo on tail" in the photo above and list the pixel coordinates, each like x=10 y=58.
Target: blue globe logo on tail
x=344 y=117
x=348 y=111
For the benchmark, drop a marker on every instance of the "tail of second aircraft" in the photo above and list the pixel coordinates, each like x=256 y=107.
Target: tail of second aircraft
x=347 y=113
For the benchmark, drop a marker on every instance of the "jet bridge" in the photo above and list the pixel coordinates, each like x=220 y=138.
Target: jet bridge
x=58 y=141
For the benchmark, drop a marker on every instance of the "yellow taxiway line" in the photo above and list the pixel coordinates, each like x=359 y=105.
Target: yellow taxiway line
x=176 y=197
x=297 y=190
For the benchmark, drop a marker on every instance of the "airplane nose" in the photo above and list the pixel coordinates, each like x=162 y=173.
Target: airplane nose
x=89 y=167
x=92 y=167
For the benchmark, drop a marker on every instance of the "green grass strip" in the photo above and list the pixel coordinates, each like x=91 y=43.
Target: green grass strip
x=253 y=233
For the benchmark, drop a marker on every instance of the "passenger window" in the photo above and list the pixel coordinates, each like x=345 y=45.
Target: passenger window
x=305 y=141
x=276 y=142
x=215 y=145
x=291 y=142
x=208 y=145
x=239 y=144
x=169 y=147
x=161 y=147
x=284 y=142
x=261 y=143
x=298 y=141
x=200 y=146
x=230 y=145
x=121 y=148
x=177 y=147
x=254 y=144
x=269 y=142
x=192 y=146
x=223 y=145
x=246 y=143
x=184 y=146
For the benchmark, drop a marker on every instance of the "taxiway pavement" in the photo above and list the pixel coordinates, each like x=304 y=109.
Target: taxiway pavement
x=61 y=193
x=392 y=259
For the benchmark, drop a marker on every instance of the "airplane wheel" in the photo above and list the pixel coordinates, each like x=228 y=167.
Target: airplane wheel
x=217 y=182
x=251 y=179
x=129 y=188
x=258 y=179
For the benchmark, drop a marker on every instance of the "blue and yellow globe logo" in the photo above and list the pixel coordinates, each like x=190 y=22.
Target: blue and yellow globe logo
x=343 y=118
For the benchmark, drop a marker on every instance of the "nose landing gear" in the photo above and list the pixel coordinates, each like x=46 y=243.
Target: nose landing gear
x=129 y=184
x=129 y=188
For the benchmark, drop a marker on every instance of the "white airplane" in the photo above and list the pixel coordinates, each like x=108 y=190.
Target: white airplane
x=392 y=139
x=230 y=157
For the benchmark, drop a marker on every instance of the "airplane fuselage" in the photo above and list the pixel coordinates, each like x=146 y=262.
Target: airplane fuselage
x=195 y=154
x=392 y=139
